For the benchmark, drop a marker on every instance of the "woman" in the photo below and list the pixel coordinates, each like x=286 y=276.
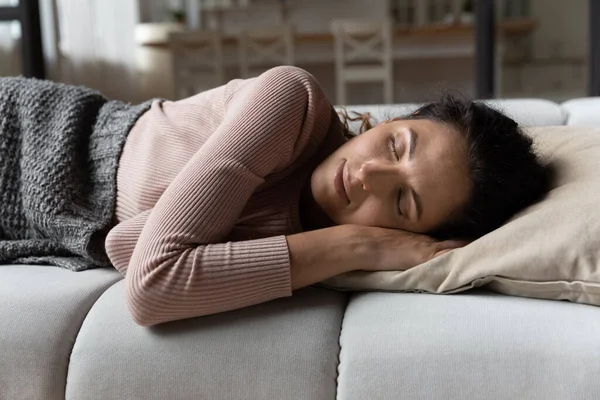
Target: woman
x=246 y=192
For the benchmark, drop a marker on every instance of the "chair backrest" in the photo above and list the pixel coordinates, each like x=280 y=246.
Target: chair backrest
x=266 y=47
x=363 y=41
x=363 y=53
x=197 y=61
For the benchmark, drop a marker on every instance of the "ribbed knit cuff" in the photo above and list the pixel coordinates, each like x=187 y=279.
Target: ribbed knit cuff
x=222 y=277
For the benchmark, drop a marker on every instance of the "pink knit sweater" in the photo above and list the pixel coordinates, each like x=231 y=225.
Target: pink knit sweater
x=209 y=186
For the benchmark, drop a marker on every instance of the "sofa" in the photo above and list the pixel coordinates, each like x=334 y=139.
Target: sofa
x=69 y=335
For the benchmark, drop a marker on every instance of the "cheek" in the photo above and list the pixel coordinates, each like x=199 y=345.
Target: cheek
x=371 y=212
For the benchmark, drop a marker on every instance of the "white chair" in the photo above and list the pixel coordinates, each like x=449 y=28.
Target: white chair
x=266 y=47
x=363 y=54
x=197 y=61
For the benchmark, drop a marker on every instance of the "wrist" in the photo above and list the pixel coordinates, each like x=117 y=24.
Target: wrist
x=321 y=254
x=358 y=247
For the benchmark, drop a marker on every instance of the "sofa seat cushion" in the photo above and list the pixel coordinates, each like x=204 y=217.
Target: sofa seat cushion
x=470 y=346
x=41 y=311
x=284 y=349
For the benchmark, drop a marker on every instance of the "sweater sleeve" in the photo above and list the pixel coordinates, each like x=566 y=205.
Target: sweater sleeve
x=176 y=263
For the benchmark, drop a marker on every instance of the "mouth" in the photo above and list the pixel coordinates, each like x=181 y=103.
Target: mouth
x=340 y=182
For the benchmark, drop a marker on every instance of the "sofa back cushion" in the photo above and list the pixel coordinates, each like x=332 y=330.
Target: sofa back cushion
x=527 y=112
x=583 y=112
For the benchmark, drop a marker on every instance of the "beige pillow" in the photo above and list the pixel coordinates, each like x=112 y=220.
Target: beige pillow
x=550 y=250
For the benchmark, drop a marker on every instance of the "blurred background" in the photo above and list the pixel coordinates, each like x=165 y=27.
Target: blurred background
x=362 y=51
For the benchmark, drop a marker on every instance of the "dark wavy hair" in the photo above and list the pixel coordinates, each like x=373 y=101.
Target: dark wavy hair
x=506 y=173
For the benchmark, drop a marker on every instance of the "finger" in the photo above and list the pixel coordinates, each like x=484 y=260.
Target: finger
x=452 y=244
x=441 y=253
x=449 y=245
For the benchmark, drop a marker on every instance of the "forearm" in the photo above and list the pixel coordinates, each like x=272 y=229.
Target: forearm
x=318 y=255
x=221 y=277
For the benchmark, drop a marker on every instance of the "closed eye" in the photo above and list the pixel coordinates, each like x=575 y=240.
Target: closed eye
x=393 y=148
x=398 y=202
x=397 y=157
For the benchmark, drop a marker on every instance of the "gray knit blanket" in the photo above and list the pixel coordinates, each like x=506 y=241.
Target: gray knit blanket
x=59 y=151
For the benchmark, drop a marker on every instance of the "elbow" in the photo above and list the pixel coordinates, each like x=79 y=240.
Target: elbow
x=150 y=302
x=142 y=321
x=119 y=250
x=141 y=303
x=142 y=318
x=147 y=292
x=140 y=315
x=145 y=315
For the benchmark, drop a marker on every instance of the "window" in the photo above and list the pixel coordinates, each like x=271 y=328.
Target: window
x=20 y=38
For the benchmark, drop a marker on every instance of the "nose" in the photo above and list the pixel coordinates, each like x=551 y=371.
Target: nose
x=377 y=176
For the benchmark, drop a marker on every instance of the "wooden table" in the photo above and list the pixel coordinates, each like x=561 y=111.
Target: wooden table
x=506 y=29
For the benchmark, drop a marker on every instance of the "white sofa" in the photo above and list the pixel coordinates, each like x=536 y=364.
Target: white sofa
x=69 y=335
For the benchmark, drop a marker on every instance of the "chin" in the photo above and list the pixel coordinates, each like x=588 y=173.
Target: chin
x=337 y=219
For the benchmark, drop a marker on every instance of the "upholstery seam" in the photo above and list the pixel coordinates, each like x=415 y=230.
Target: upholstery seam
x=79 y=332
x=339 y=362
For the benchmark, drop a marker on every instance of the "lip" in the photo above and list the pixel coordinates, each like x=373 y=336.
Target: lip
x=340 y=182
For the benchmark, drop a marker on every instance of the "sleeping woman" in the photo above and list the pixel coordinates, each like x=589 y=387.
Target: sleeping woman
x=249 y=191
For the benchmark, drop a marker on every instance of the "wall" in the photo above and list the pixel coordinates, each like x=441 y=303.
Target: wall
x=306 y=15
x=559 y=48
x=10 y=53
x=310 y=15
x=563 y=28
x=158 y=10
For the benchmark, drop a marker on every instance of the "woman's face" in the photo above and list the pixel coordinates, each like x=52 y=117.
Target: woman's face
x=402 y=174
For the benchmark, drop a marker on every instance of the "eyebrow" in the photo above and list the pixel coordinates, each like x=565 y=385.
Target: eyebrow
x=411 y=154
